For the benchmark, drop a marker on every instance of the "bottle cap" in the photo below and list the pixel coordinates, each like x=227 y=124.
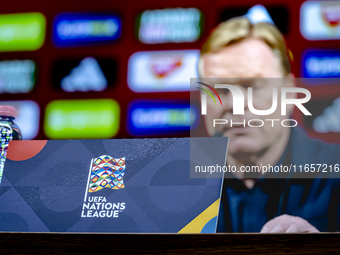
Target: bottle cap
x=7 y=110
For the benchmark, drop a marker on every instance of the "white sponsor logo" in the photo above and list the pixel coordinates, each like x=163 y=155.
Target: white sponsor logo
x=170 y=25
x=86 y=76
x=320 y=20
x=16 y=76
x=329 y=120
x=161 y=71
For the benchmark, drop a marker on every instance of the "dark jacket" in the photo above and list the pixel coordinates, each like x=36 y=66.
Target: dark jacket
x=315 y=199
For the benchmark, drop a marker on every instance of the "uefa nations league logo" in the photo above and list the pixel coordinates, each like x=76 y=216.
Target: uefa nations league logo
x=107 y=172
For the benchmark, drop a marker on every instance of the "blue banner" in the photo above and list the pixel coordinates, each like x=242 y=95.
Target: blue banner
x=70 y=29
x=112 y=186
x=152 y=117
x=321 y=64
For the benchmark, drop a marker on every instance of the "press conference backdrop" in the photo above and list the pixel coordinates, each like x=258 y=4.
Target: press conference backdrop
x=115 y=69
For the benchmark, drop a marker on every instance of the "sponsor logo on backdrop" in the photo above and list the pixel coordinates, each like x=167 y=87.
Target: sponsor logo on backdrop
x=330 y=12
x=84 y=75
x=321 y=64
x=162 y=71
x=28 y=117
x=22 y=31
x=325 y=117
x=164 y=66
x=319 y=20
x=83 y=118
x=17 y=76
x=81 y=28
x=329 y=120
x=147 y=118
x=105 y=172
x=170 y=25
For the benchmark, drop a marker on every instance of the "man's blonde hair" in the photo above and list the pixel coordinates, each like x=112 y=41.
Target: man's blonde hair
x=236 y=29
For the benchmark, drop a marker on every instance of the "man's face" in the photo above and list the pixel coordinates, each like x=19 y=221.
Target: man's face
x=250 y=58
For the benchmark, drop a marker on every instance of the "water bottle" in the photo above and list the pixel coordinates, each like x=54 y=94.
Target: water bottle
x=8 y=130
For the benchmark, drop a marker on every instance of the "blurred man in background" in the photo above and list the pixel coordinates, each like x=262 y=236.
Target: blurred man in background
x=265 y=203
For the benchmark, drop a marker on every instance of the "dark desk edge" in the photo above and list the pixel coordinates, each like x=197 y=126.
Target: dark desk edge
x=80 y=243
